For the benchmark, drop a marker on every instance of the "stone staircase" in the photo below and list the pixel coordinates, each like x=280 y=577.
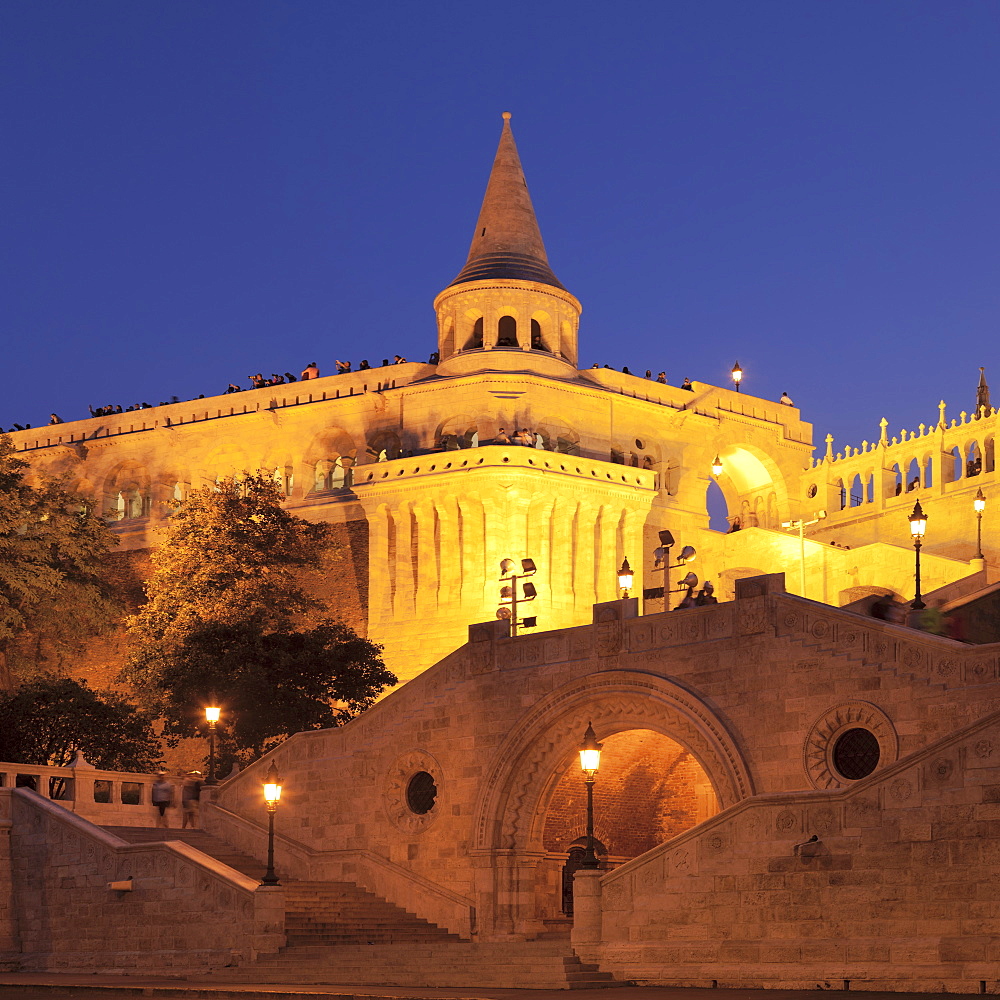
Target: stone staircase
x=340 y=934
x=197 y=839
x=457 y=965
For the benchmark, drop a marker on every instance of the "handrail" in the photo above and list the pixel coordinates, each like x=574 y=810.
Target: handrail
x=312 y=861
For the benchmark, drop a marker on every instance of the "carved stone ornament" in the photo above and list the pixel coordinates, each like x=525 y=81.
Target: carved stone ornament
x=817 y=751
x=394 y=792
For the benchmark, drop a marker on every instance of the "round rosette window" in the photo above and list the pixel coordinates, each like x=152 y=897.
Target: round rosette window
x=848 y=743
x=412 y=793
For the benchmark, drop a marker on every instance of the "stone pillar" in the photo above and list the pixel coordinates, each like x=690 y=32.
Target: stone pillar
x=587 y=929
x=9 y=943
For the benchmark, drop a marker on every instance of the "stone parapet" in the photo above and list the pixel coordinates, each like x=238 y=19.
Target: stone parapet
x=182 y=909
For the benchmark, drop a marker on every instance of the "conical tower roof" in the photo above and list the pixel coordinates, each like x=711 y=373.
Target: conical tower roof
x=507 y=242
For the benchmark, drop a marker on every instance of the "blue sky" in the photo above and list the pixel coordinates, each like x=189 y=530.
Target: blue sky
x=194 y=191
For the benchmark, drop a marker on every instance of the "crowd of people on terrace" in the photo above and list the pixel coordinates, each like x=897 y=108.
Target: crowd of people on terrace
x=311 y=371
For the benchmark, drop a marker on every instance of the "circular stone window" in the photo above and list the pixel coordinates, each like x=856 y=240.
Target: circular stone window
x=412 y=794
x=421 y=792
x=812 y=491
x=848 y=742
x=855 y=754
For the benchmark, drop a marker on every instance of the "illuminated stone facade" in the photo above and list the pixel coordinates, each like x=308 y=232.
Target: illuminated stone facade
x=407 y=458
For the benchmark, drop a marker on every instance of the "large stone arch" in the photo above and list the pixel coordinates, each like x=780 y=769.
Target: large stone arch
x=510 y=811
x=749 y=472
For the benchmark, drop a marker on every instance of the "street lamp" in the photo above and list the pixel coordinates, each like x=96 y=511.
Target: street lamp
x=272 y=794
x=662 y=555
x=509 y=594
x=212 y=713
x=590 y=761
x=801 y=525
x=980 y=504
x=737 y=374
x=918 y=525
x=625 y=578
x=717 y=466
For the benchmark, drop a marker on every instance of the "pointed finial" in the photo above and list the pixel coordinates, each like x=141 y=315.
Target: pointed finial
x=506 y=116
x=883 y=423
x=941 y=409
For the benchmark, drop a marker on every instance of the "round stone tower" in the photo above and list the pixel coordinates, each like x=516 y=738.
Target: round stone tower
x=506 y=309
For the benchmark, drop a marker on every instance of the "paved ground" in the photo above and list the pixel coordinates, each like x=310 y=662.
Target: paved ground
x=66 y=986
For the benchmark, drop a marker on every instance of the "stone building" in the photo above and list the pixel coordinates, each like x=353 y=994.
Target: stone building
x=792 y=793
x=410 y=461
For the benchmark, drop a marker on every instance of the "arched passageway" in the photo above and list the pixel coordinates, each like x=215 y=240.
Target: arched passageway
x=649 y=789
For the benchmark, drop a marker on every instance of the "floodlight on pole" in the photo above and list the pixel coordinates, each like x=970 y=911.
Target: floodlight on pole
x=514 y=590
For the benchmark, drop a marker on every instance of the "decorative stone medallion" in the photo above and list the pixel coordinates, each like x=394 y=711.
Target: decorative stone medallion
x=818 y=749
x=397 y=794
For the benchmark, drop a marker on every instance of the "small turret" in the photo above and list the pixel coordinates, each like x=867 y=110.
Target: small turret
x=506 y=297
x=982 y=393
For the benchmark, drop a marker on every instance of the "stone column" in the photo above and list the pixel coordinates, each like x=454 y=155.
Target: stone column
x=587 y=929
x=9 y=943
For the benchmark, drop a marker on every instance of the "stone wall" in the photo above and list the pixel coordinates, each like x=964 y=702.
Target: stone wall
x=184 y=911
x=887 y=885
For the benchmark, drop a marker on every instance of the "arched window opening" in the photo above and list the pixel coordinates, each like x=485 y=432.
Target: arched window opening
x=384 y=447
x=990 y=455
x=507 y=332
x=974 y=461
x=928 y=472
x=957 y=465
x=842 y=493
x=897 y=480
x=475 y=339
x=718 y=509
x=537 y=341
x=912 y=476
x=857 y=497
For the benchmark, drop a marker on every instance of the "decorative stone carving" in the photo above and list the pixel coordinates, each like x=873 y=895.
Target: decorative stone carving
x=785 y=821
x=984 y=749
x=609 y=639
x=752 y=616
x=900 y=790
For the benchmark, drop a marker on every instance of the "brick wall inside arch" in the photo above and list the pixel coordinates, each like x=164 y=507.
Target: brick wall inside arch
x=648 y=790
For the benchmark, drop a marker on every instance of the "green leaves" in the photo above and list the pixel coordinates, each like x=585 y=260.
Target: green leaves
x=51 y=546
x=229 y=616
x=50 y=718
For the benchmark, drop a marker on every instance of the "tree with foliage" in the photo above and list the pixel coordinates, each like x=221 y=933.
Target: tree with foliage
x=229 y=617
x=51 y=546
x=48 y=719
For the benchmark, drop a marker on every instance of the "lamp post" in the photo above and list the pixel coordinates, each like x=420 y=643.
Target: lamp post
x=737 y=374
x=625 y=579
x=590 y=761
x=509 y=596
x=801 y=525
x=662 y=555
x=980 y=504
x=918 y=525
x=272 y=794
x=717 y=467
x=212 y=713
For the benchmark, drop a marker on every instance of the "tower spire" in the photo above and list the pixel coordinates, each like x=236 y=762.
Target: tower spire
x=982 y=393
x=507 y=242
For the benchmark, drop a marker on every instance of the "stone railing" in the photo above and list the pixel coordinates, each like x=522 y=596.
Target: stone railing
x=877 y=468
x=108 y=798
x=83 y=899
x=933 y=658
x=237 y=404
x=408 y=889
x=492 y=456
